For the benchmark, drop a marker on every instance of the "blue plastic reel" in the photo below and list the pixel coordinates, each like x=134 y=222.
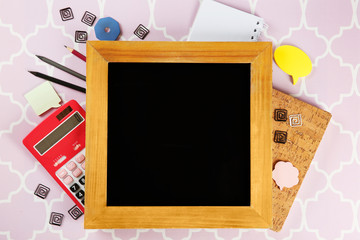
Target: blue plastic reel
x=107 y=29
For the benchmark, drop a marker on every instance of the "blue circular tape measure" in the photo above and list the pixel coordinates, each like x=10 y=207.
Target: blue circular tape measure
x=107 y=29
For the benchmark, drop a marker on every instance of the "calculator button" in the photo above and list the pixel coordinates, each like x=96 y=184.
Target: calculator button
x=83 y=202
x=80 y=194
x=71 y=166
x=77 y=172
x=68 y=180
x=83 y=165
x=62 y=173
x=74 y=187
x=80 y=158
x=82 y=180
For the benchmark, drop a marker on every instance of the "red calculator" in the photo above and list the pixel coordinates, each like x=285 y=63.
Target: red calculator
x=58 y=143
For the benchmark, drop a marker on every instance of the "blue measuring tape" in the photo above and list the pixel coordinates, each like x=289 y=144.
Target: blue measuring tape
x=107 y=29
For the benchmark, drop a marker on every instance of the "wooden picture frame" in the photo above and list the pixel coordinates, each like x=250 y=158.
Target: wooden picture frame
x=257 y=215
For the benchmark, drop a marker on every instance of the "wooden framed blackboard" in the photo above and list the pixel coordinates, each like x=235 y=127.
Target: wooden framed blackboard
x=178 y=135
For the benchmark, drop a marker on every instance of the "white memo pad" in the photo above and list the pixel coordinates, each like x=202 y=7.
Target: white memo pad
x=218 y=22
x=42 y=98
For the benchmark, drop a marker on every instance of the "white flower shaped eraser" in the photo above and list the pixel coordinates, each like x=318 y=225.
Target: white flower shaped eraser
x=285 y=175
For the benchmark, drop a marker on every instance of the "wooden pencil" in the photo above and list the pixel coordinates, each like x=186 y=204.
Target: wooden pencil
x=58 y=81
x=76 y=53
x=61 y=67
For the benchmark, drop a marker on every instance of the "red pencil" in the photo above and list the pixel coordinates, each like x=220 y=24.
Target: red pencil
x=76 y=53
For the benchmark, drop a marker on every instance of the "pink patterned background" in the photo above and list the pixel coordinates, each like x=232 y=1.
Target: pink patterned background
x=327 y=206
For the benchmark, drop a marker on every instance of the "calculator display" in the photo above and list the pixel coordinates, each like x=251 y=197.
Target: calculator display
x=58 y=133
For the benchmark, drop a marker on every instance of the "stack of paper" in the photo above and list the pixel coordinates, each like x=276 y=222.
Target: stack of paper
x=218 y=22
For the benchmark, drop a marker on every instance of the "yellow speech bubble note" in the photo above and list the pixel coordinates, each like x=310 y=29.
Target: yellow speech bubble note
x=293 y=61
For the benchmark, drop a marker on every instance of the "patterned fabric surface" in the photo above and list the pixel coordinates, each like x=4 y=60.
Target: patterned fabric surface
x=327 y=205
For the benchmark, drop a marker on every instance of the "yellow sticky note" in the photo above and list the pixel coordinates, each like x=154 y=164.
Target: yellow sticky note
x=42 y=98
x=293 y=61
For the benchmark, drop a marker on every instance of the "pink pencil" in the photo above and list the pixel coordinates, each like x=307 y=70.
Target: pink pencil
x=76 y=53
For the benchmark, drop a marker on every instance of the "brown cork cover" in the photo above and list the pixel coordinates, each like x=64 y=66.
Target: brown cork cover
x=299 y=148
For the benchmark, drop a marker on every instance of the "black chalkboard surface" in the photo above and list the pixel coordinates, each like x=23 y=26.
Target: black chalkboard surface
x=178 y=134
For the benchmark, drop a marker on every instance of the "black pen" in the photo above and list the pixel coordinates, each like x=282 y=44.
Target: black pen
x=58 y=81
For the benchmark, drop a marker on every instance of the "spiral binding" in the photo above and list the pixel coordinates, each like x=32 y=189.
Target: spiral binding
x=261 y=26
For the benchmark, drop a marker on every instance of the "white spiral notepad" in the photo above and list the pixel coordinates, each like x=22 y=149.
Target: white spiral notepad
x=218 y=22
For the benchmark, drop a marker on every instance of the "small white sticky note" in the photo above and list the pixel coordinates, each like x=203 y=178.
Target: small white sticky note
x=42 y=98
